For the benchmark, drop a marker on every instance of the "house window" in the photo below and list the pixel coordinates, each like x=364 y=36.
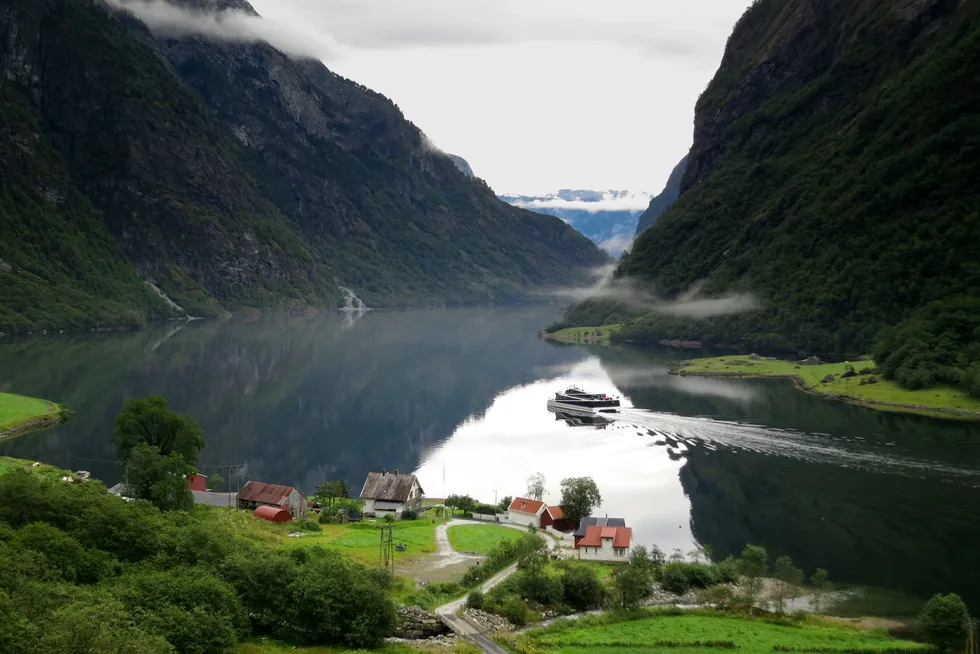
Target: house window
x=620 y=551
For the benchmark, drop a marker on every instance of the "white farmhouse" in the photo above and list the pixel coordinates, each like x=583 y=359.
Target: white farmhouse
x=391 y=493
x=604 y=543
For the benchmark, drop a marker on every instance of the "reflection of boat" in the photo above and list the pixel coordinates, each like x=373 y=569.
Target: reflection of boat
x=597 y=420
x=578 y=402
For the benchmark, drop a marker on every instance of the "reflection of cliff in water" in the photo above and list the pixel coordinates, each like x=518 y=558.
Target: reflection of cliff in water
x=300 y=398
x=832 y=485
x=917 y=535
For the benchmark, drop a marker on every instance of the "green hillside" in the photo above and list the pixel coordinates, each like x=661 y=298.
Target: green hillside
x=232 y=178
x=833 y=175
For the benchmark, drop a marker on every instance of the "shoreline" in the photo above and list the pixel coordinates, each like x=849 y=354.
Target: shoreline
x=34 y=414
x=837 y=389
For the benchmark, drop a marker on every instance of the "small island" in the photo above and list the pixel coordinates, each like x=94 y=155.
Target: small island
x=20 y=414
x=855 y=382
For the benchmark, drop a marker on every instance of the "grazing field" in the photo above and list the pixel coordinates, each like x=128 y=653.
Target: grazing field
x=360 y=541
x=479 y=539
x=675 y=633
x=16 y=410
x=881 y=394
x=9 y=464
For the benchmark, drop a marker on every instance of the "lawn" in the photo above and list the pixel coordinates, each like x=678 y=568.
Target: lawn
x=944 y=401
x=9 y=464
x=673 y=633
x=585 y=334
x=360 y=541
x=602 y=569
x=480 y=539
x=15 y=410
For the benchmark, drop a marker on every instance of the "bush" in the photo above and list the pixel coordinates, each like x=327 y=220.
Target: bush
x=308 y=525
x=516 y=610
x=945 y=621
x=674 y=580
x=542 y=588
x=679 y=577
x=582 y=589
x=409 y=515
x=501 y=556
x=722 y=597
x=475 y=600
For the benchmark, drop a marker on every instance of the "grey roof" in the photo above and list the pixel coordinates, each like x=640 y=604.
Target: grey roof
x=122 y=489
x=592 y=521
x=390 y=486
x=215 y=499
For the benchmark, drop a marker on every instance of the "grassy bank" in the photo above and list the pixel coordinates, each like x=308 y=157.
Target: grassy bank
x=601 y=335
x=679 y=632
x=19 y=413
x=479 y=539
x=866 y=389
x=9 y=464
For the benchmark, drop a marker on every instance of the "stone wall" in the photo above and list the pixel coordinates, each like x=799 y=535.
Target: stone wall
x=487 y=623
x=416 y=623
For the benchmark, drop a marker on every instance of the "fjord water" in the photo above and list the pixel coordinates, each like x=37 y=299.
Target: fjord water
x=458 y=396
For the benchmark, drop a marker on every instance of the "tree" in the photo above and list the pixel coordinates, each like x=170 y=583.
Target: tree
x=632 y=582
x=820 y=585
x=945 y=621
x=505 y=503
x=582 y=588
x=754 y=565
x=329 y=491
x=216 y=482
x=161 y=479
x=579 y=496
x=464 y=503
x=535 y=486
x=148 y=420
x=791 y=578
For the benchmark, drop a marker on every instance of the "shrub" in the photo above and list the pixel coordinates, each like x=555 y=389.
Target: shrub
x=679 y=577
x=582 y=589
x=674 y=579
x=722 y=597
x=308 y=525
x=539 y=586
x=475 y=600
x=409 y=515
x=516 y=610
x=945 y=621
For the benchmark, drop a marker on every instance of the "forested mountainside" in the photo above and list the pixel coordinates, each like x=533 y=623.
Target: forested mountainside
x=231 y=177
x=834 y=175
x=662 y=202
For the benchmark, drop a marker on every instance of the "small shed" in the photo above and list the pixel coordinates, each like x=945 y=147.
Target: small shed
x=272 y=514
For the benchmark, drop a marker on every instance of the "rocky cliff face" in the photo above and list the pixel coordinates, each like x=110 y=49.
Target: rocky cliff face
x=232 y=176
x=830 y=174
x=662 y=202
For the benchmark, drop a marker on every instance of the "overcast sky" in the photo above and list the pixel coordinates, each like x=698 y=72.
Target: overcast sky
x=536 y=94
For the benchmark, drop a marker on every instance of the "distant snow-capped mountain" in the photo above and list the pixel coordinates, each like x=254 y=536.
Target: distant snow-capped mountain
x=609 y=218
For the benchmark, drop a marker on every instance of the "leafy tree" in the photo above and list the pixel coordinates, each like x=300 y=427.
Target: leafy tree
x=581 y=587
x=945 y=621
x=820 y=584
x=504 y=503
x=148 y=420
x=328 y=492
x=463 y=503
x=536 y=584
x=791 y=578
x=579 y=496
x=535 y=486
x=475 y=599
x=161 y=479
x=632 y=581
x=216 y=482
x=104 y=627
x=754 y=565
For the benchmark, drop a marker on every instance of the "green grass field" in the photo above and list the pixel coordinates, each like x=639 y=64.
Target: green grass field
x=480 y=539
x=888 y=395
x=9 y=464
x=585 y=334
x=15 y=410
x=675 y=634
x=359 y=541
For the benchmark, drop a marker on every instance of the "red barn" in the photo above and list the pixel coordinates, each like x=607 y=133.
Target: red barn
x=272 y=514
x=198 y=482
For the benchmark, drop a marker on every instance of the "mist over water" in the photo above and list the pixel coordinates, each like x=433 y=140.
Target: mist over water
x=458 y=396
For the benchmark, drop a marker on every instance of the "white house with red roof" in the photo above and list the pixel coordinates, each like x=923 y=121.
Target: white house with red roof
x=536 y=513
x=604 y=543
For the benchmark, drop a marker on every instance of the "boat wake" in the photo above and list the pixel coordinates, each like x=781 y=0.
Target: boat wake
x=681 y=431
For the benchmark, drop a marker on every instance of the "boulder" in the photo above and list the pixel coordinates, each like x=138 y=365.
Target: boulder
x=415 y=623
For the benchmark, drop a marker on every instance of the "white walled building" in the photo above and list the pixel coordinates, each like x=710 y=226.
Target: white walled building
x=391 y=493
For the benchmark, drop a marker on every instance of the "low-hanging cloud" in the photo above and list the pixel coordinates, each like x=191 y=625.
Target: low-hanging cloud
x=235 y=26
x=628 y=291
x=617 y=244
x=635 y=202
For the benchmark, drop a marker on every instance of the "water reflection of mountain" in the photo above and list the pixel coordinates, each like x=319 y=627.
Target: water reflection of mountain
x=301 y=398
x=892 y=526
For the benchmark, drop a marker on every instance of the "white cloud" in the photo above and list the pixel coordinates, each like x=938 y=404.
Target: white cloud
x=617 y=244
x=631 y=202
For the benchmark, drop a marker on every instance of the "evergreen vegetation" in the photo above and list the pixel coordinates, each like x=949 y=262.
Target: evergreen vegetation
x=833 y=175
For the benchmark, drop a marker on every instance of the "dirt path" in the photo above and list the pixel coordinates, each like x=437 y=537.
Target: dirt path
x=445 y=563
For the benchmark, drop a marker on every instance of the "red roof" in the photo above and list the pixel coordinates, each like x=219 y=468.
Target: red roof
x=272 y=513
x=621 y=536
x=524 y=505
x=556 y=512
x=256 y=491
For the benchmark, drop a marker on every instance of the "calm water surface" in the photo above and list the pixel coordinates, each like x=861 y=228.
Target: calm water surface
x=458 y=396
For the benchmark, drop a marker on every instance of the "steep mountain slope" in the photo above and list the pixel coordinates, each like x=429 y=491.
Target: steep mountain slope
x=833 y=174
x=231 y=176
x=662 y=202
x=594 y=213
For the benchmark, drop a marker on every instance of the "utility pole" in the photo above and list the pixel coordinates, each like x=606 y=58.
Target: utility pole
x=386 y=556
